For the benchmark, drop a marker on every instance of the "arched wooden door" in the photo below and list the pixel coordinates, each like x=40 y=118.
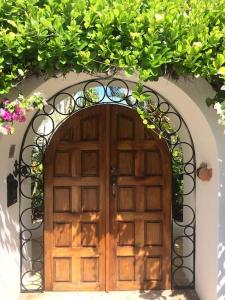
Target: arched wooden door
x=107 y=204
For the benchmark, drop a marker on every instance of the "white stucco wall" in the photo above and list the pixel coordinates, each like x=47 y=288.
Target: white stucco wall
x=9 y=228
x=188 y=96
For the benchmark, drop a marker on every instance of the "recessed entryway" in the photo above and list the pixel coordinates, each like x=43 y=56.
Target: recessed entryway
x=107 y=204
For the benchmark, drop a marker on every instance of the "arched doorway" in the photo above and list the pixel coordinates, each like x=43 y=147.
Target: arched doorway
x=41 y=131
x=107 y=204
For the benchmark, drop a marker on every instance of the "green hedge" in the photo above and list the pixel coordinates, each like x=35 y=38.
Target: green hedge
x=153 y=37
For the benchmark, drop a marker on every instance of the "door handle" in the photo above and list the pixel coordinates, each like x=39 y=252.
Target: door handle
x=113 y=180
x=114 y=190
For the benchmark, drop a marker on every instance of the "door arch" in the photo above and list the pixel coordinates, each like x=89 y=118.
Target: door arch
x=37 y=138
x=107 y=204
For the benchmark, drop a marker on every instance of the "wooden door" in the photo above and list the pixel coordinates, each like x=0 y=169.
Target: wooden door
x=140 y=219
x=75 y=204
x=107 y=204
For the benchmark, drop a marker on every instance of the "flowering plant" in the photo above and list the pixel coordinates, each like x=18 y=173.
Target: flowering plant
x=220 y=110
x=15 y=111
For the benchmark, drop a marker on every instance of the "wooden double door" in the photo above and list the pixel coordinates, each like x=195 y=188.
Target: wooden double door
x=107 y=204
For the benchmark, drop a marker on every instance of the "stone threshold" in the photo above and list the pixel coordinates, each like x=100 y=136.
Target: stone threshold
x=127 y=295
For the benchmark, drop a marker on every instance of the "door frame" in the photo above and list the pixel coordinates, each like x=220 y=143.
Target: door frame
x=25 y=169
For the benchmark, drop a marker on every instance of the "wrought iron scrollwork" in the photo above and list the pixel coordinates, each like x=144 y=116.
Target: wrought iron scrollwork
x=167 y=122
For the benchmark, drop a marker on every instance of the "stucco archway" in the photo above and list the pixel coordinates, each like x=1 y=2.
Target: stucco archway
x=188 y=98
x=166 y=120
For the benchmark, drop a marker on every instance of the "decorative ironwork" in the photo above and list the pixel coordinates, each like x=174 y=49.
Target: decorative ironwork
x=22 y=170
x=161 y=117
x=12 y=185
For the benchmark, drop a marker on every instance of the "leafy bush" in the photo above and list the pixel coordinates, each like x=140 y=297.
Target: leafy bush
x=153 y=37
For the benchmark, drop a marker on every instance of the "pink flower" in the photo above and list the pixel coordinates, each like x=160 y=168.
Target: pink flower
x=22 y=119
x=8 y=128
x=15 y=117
x=5 y=114
x=18 y=110
x=6 y=101
x=18 y=115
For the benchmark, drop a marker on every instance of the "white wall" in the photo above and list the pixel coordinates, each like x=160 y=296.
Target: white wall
x=9 y=227
x=189 y=99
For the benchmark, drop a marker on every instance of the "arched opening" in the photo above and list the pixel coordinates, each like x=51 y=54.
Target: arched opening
x=107 y=204
x=165 y=120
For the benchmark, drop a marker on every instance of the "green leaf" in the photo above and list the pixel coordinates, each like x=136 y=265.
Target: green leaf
x=21 y=72
x=149 y=38
x=151 y=126
x=221 y=71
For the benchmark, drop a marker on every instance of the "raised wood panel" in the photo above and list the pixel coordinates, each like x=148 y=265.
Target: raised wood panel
x=90 y=198
x=126 y=268
x=89 y=163
x=89 y=234
x=152 y=163
x=89 y=128
x=153 y=198
x=153 y=268
x=125 y=128
x=62 y=163
x=62 y=269
x=126 y=233
x=126 y=199
x=126 y=163
x=62 y=199
x=89 y=269
x=62 y=234
x=153 y=233
x=67 y=135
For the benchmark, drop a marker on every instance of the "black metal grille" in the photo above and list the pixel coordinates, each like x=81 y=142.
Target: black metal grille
x=167 y=122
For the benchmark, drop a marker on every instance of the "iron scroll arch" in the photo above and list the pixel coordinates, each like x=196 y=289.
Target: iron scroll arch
x=161 y=117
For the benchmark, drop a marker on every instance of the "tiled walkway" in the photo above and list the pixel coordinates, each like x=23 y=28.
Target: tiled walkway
x=152 y=295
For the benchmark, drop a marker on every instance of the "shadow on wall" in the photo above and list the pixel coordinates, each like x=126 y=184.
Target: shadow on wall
x=9 y=229
x=167 y=295
x=221 y=272
x=9 y=248
x=221 y=244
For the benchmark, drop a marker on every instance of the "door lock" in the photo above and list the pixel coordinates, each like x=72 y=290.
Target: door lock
x=113 y=180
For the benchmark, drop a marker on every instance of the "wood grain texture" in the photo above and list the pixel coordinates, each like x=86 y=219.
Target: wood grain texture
x=98 y=237
x=75 y=205
x=140 y=221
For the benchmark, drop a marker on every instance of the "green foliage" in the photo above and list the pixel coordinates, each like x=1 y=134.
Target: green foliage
x=153 y=37
x=37 y=184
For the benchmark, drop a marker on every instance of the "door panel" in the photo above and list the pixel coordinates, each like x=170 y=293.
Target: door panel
x=107 y=204
x=140 y=208
x=75 y=205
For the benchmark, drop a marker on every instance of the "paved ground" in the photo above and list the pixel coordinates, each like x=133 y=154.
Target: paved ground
x=148 y=295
